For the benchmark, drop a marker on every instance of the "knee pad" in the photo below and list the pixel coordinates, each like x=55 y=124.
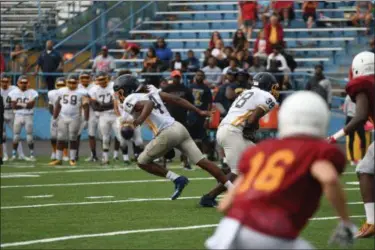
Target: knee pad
x=29 y=138
x=16 y=138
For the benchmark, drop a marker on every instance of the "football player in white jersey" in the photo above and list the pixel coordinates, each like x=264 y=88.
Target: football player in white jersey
x=149 y=108
x=6 y=88
x=236 y=131
x=23 y=101
x=52 y=99
x=101 y=100
x=124 y=118
x=86 y=83
x=71 y=100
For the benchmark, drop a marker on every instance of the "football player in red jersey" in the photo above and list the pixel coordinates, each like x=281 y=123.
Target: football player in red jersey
x=361 y=89
x=281 y=181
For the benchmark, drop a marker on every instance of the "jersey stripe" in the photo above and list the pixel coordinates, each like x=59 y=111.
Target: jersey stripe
x=240 y=119
x=152 y=126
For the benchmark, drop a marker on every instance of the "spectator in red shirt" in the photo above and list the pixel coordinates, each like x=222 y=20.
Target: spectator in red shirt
x=285 y=10
x=274 y=32
x=248 y=12
x=2 y=63
x=309 y=12
x=131 y=49
x=214 y=37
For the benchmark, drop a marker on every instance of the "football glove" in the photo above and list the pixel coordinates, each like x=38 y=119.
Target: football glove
x=343 y=235
x=249 y=131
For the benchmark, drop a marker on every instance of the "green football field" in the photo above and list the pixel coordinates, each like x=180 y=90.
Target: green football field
x=90 y=206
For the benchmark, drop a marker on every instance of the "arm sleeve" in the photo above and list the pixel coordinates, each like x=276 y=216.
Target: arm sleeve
x=34 y=95
x=130 y=103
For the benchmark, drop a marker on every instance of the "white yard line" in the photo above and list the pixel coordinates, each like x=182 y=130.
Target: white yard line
x=99 y=197
x=150 y=230
x=356 y=183
x=100 y=183
x=351 y=189
x=39 y=196
x=129 y=200
x=20 y=175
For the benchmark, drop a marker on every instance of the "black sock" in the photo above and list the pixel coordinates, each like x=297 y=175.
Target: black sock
x=93 y=152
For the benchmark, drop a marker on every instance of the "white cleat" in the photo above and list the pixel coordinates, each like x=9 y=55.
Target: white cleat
x=13 y=158
x=22 y=157
x=53 y=156
x=31 y=158
x=5 y=158
x=65 y=158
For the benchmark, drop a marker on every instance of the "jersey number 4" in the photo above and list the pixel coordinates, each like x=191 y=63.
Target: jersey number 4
x=267 y=174
x=157 y=105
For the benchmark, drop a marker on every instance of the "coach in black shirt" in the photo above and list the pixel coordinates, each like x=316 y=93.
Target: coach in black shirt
x=178 y=88
x=50 y=61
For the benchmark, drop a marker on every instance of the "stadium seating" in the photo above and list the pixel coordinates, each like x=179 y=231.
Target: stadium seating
x=21 y=21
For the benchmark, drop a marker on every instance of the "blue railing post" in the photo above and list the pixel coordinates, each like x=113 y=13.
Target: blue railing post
x=39 y=12
x=103 y=21
x=132 y=16
x=93 y=34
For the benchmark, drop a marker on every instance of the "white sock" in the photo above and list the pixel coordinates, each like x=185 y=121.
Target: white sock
x=228 y=185
x=115 y=154
x=369 y=209
x=225 y=160
x=73 y=153
x=172 y=175
x=105 y=156
x=126 y=157
x=59 y=155
x=20 y=149
x=5 y=149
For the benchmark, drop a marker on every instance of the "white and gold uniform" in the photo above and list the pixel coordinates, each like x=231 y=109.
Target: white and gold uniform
x=93 y=116
x=126 y=117
x=8 y=112
x=23 y=117
x=107 y=118
x=229 y=135
x=52 y=99
x=167 y=132
x=69 y=123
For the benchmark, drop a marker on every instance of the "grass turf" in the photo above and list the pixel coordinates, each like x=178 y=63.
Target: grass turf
x=133 y=200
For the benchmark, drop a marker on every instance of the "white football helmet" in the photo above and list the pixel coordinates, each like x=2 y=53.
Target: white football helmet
x=363 y=64
x=303 y=113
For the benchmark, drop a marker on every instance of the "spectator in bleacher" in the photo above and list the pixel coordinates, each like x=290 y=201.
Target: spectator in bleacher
x=264 y=12
x=206 y=55
x=320 y=84
x=309 y=12
x=151 y=60
x=248 y=13
x=177 y=63
x=262 y=47
x=19 y=59
x=192 y=63
x=131 y=49
x=104 y=62
x=363 y=13
x=247 y=60
x=292 y=64
x=223 y=94
x=213 y=73
x=279 y=58
x=239 y=41
x=163 y=53
x=218 y=51
x=285 y=10
x=49 y=61
x=372 y=45
x=229 y=52
x=233 y=65
x=274 y=32
x=214 y=38
x=257 y=66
